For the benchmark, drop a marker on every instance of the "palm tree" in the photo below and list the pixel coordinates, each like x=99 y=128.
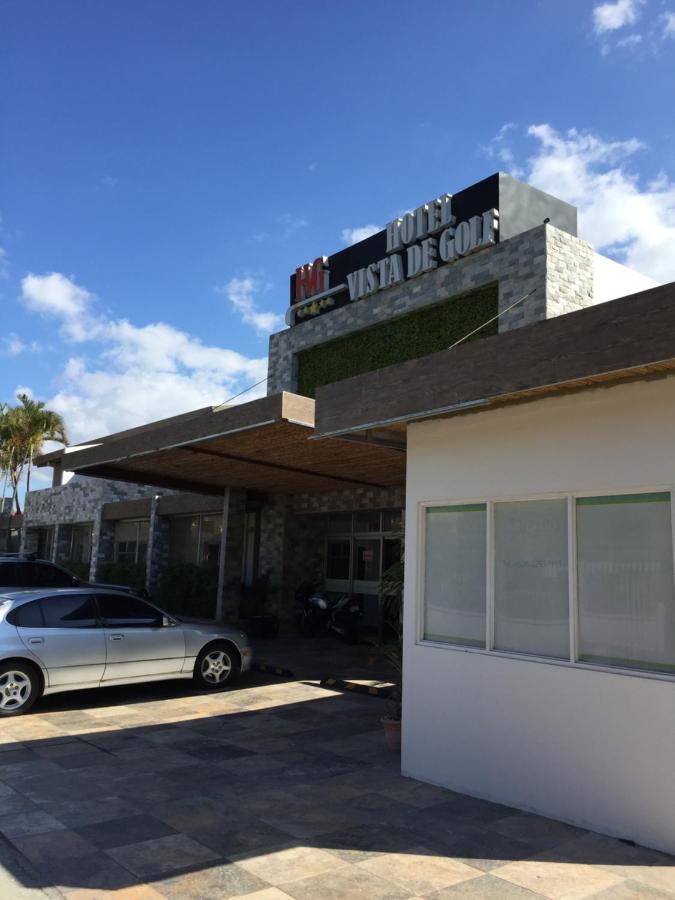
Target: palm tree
x=23 y=430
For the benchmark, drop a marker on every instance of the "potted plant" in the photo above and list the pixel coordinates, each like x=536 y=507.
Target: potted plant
x=391 y=602
x=391 y=720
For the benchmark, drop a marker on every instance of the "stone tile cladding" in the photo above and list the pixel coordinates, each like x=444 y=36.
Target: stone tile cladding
x=557 y=263
x=79 y=500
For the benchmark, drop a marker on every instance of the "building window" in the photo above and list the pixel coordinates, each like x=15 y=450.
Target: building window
x=625 y=581
x=581 y=579
x=131 y=541
x=338 y=559
x=531 y=578
x=75 y=543
x=456 y=547
x=195 y=539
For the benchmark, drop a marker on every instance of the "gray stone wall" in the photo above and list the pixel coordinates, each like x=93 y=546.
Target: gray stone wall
x=554 y=262
x=102 y=543
x=79 y=500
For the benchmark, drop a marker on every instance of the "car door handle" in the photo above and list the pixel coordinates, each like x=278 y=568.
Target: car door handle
x=36 y=640
x=116 y=637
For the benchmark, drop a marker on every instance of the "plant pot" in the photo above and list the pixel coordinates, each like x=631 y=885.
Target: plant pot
x=392 y=733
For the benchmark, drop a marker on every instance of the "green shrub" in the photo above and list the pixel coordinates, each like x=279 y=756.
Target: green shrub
x=127 y=574
x=189 y=590
x=407 y=337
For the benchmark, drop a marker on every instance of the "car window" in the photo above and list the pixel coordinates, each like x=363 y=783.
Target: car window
x=69 y=611
x=33 y=574
x=28 y=615
x=118 y=611
x=13 y=575
x=46 y=575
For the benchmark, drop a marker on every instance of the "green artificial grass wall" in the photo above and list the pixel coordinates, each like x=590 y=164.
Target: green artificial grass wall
x=406 y=337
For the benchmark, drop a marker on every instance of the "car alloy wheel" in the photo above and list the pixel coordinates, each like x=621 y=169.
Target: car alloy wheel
x=216 y=667
x=16 y=688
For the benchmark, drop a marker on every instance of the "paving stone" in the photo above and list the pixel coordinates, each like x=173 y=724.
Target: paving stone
x=486 y=887
x=221 y=881
x=240 y=836
x=162 y=856
x=124 y=831
x=36 y=821
x=345 y=883
x=556 y=878
x=291 y=864
x=419 y=871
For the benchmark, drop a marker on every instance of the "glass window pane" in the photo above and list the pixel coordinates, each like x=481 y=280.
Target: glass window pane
x=183 y=538
x=118 y=611
x=46 y=575
x=69 y=611
x=212 y=529
x=392 y=520
x=339 y=523
x=29 y=615
x=455 y=567
x=367 y=520
x=531 y=578
x=625 y=581
x=338 y=559
x=367 y=560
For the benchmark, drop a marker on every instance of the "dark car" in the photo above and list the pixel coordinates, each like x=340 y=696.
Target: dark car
x=25 y=572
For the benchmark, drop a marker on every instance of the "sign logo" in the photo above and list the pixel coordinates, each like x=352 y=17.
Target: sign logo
x=310 y=279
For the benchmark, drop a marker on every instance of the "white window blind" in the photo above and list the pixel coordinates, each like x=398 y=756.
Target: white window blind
x=625 y=581
x=455 y=592
x=531 y=578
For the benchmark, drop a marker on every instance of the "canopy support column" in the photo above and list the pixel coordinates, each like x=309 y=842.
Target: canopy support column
x=220 y=592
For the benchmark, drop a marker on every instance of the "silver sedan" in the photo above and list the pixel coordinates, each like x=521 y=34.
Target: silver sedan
x=64 y=640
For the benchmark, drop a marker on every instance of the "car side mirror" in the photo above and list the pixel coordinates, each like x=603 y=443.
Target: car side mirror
x=75 y=581
x=167 y=622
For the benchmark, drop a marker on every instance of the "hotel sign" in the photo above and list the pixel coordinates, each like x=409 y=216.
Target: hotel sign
x=418 y=242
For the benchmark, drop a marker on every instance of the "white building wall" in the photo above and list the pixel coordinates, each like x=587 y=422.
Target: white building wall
x=612 y=280
x=591 y=747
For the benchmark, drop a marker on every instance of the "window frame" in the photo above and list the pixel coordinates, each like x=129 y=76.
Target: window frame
x=571 y=498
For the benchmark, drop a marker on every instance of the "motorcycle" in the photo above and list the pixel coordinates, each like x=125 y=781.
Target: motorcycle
x=320 y=612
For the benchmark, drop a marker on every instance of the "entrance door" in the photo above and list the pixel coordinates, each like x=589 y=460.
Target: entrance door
x=367 y=553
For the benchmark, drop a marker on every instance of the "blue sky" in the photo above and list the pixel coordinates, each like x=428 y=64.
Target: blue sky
x=165 y=165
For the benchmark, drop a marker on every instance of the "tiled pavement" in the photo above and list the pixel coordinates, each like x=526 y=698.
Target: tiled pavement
x=272 y=790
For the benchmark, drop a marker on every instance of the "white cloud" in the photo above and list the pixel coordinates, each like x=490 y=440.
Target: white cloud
x=14 y=346
x=4 y=264
x=631 y=40
x=631 y=220
x=500 y=150
x=668 y=20
x=241 y=294
x=290 y=224
x=60 y=297
x=611 y=16
x=354 y=235
x=139 y=373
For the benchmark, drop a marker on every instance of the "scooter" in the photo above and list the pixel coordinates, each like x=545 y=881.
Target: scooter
x=317 y=612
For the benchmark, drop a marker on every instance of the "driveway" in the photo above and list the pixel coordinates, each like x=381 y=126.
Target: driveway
x=274 y=789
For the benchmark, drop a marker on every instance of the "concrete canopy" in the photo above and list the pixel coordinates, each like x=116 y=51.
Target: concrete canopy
x=261 y=446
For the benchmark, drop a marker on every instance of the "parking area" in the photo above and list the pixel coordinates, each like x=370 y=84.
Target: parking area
x=273 y=789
